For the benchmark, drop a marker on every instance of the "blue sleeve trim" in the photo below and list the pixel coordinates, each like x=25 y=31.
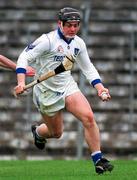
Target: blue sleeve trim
x=96 y=81
x=20 y=70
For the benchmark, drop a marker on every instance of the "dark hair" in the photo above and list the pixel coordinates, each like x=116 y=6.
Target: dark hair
x=69 y=14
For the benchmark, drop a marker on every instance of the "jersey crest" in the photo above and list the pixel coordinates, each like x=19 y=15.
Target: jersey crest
x=60 y=49
x=76 y=51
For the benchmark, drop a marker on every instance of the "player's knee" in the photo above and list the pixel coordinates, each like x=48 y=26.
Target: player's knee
x=88 y=120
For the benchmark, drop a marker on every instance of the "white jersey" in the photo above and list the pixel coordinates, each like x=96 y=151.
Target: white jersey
x=46 y=53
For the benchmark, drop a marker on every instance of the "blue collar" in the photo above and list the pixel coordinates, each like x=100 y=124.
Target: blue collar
x=68 y=41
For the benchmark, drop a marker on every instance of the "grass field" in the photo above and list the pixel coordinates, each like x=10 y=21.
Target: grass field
x=64 y=170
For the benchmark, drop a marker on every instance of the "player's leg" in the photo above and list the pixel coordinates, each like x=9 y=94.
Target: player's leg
x=52 y=127
x=78 y=105
x=49 y=105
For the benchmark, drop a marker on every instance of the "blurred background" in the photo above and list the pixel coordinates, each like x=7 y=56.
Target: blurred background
x=109 y=28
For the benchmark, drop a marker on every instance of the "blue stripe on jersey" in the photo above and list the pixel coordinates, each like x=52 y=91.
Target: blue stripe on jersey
x=20 y=70
x=96 y=81
x=68 y=41
x=29 y=47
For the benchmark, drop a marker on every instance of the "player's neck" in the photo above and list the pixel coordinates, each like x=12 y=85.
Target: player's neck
x=66 y=39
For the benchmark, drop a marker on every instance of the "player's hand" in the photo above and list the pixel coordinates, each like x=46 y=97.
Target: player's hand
x=104 y=94
x=30 y=71
x=19 y=89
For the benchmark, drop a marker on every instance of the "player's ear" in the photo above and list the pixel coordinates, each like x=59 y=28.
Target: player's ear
x=59 y=23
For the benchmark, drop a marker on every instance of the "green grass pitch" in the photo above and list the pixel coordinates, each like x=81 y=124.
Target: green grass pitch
x=64 y=170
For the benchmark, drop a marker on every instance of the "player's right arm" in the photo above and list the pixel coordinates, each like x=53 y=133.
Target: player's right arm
x=30 y=54
x=21 y=83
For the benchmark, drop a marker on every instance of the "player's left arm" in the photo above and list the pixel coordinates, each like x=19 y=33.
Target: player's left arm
x=92 y=74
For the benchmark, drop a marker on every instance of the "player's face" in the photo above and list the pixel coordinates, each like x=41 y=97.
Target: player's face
x=70 y=29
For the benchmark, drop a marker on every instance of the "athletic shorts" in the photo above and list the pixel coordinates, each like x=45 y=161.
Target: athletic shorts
x=49 y=102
